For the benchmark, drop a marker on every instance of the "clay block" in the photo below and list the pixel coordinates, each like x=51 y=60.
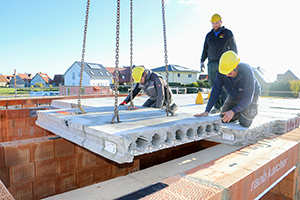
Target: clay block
x=11 y=123
x=4 y=176
x=65 y=182
x=67 y=164
x=16 y=154
x=85 y=176
x=63 y=147
x=44 y=188
x=118 y=169
x=134 y=166
x=42 y=150
x=45 y=168
x=12 y=114
x=21 y=174
x=2 y=156
x=86 y=160
x=102 y=170
x=21 y=192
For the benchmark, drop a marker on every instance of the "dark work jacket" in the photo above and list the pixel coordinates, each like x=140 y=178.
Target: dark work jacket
x=155 y=87
x=243 y=88
x=215 y=46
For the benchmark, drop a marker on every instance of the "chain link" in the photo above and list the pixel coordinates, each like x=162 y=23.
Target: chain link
x=116 y=112
x=131 y=107
x=82 y=57
x=166 y=55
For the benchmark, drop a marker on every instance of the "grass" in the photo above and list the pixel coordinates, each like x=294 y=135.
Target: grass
x=11 y=91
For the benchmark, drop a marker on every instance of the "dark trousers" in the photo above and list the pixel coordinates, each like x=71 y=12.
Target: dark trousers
x=152 y=104
x=212 y=68
x=246 y=116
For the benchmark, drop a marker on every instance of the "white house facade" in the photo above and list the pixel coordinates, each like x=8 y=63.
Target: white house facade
x=178 y=74
x=93 y=75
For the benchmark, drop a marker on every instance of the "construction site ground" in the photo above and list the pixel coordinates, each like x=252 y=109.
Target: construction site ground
x=180 y=157
x=213 y=184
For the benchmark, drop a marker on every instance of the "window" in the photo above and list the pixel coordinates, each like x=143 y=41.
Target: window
x=73 y=75
x=178 y=75
x=78 y=74
x=189 y=75
x=123 y=76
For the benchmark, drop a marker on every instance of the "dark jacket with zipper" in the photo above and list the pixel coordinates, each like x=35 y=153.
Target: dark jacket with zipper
x=215 y=46
x=155 y=87
x=243 y=87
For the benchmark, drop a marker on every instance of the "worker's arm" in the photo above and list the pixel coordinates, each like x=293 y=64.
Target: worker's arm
x=135 y=92
x=248 y=92
x=204 y=51
x=215 y=93
x=159 y=91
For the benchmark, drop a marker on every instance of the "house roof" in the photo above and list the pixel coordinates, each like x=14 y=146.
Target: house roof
x=19 y=80
x=25 y=77
x=122 y=71
x=262 y=74
x=45 y=77
x=58 y=77
x=3 y=79
x=289 y=71
x=174 y=68
x=94 y=70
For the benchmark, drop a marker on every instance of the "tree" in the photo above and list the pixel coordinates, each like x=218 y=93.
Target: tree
x=295 y=87
x=38 y=84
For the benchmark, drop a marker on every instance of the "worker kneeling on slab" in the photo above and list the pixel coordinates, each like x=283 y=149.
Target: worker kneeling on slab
x=152 y=84
x=242 y=87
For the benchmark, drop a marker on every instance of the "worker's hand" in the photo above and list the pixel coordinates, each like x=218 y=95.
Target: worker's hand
x=202 y=67
x=227 y=116
x=123 y=103
x=204 y=114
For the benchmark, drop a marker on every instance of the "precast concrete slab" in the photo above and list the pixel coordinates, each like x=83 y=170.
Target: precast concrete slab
x=145 y=130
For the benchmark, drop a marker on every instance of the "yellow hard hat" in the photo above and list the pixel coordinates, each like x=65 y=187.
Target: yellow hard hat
x=137 y=73
x=215 y=18
x=228 y=61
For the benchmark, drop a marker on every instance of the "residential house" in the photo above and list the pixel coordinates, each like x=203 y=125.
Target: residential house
x=42 y=78
x=263 y=79
x=287 y=76
x=26 y=78
x=178 y=74
x=3 y=81
x=124 y=74
x=19 y=82
x=93 y=75
x=58 y=80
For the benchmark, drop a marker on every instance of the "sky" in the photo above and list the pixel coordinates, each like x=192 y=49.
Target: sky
x=47 y=36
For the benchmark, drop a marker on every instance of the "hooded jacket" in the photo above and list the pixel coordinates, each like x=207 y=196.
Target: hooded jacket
x=215 y=46
x=243 y=87
x=154 y=87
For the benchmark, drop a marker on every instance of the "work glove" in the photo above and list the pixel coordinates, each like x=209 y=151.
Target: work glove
x=123 y=103
x=202 y=67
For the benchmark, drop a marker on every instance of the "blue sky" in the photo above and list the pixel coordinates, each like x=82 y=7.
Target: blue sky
x=46 y=36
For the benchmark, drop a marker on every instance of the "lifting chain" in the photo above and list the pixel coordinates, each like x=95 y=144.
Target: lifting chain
x=82 y=57
x=131 y=106
x=116 y=112
x=166 y=56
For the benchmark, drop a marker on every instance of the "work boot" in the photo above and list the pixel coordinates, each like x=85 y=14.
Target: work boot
x=214 y=111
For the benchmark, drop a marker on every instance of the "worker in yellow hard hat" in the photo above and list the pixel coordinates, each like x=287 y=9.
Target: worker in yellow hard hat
x=153 y=85
x=242 y=87
x=217 y=41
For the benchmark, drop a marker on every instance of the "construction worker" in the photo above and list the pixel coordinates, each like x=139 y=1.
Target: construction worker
x=242 y=87
x=217 y=41
x=152 y=84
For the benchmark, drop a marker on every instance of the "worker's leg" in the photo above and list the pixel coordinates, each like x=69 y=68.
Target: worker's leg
x=248 y=114
x=149 y=103
x=228 y=105
x=212 y=68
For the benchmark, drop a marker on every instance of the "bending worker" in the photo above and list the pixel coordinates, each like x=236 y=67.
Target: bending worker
x=152 y=84
x=242 y=87
x=217 y=41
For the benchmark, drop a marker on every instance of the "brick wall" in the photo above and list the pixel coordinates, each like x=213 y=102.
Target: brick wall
x=44 y=166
